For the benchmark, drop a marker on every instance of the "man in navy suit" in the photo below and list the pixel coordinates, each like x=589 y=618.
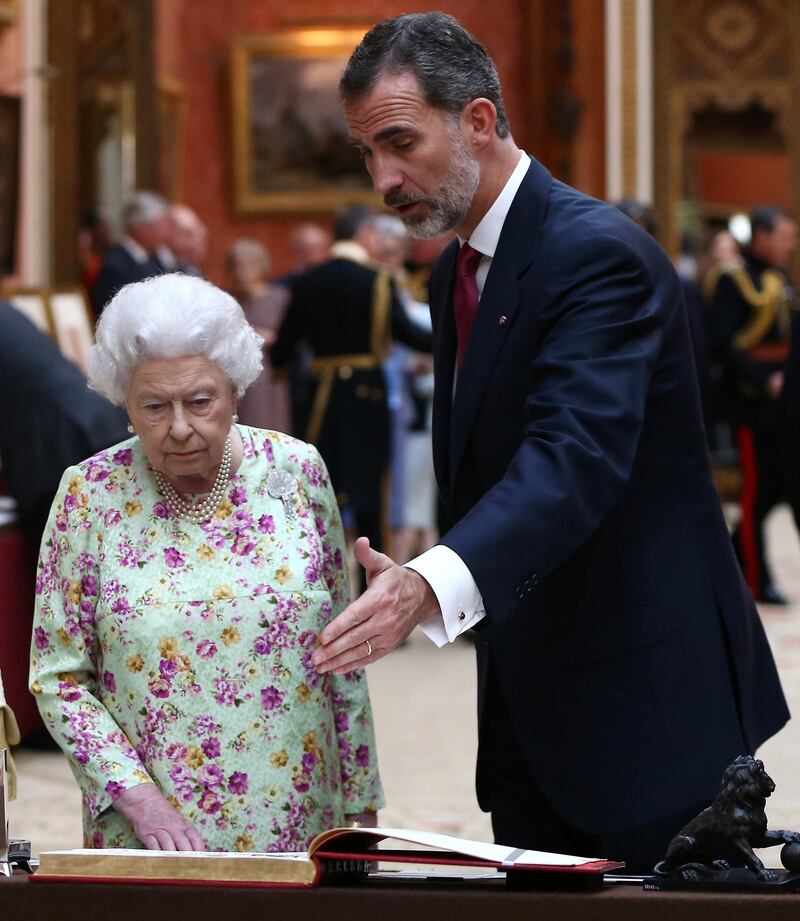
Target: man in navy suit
x=146 y=221
x=621 y=662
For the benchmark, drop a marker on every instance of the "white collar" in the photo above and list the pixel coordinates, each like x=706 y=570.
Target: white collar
x=487 y=234
x=138 y=253
x=349 y=249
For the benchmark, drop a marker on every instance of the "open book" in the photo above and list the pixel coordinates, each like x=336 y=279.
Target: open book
x=334 y=852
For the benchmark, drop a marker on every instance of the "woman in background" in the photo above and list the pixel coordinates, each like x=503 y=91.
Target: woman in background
x=266 y=403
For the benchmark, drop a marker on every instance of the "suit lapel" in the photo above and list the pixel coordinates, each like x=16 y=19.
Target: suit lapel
x=516 y=250
x=444 y=365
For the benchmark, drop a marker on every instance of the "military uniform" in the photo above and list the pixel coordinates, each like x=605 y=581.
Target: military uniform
x=347 y=312
x=750 y=324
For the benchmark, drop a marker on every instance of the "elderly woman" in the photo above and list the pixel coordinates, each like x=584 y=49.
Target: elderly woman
x=183 y=579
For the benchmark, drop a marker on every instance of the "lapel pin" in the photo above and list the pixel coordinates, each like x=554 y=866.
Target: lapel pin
x=502 y=320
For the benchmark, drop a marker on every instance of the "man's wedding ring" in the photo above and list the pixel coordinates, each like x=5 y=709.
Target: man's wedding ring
x=369 y=648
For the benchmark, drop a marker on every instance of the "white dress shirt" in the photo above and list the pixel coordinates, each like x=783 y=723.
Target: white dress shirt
x=444 y=570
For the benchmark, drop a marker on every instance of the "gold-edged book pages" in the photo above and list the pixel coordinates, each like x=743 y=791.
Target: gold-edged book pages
x=290 y=869
x=336 y=852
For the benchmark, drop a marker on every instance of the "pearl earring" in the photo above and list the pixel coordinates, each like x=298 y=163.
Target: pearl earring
x=236 y=417
x=131 y=429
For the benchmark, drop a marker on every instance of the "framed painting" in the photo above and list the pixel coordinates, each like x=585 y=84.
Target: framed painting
x=170 y=107
x=9 y=181
x=291 y=153
x=73 y=328
x=33 y=303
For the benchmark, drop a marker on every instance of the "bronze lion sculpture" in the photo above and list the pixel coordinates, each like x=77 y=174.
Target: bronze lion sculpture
x=723 y=835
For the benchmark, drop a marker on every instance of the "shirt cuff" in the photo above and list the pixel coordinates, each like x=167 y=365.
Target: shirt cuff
x=458 y=596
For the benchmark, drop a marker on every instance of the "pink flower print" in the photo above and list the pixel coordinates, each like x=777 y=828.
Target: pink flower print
x=268 y=450
x=301 y=782
x=120 y=606
x=210 y=802
x=160 y=509
x=97 y=839
x=308 y=639
x=110 y=682
x=308 y=761
x=81 y=755
x=123 y=457
x=311 y=573
x=184 y=792
x=95 y=472
x=271 y=698
x=211 y=776
x=41 y=638
x=114 y=789
x=211 y=747
x=167 y=668
x=204 y=724
x=112 y=516
x=159 y=687
x=89 y=585
x=362 y=755
x=242 y=520
x=237 y=783
x=173 y=557
x=261 y=646
x=206 y=649
x=68 y=692
x=175 y=752
x=319 y=524
x=242 y=546
x=225 y=692
x=266 y=524
x=341 y=721
x=237 y=495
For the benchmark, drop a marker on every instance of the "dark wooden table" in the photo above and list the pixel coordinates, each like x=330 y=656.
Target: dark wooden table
x=22 y=900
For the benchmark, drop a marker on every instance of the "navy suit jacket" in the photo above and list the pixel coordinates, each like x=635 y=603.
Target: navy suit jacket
x=572 y=460
x=119 y=269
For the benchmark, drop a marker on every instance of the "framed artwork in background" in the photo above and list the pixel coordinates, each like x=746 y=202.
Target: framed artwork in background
x=73 y=327
x=290 y=148
x=33 y=303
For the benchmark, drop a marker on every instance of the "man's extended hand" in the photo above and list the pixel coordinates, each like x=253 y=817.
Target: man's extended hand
x=396 y=600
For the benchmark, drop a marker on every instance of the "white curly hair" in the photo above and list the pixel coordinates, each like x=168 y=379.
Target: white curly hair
x=171 y=316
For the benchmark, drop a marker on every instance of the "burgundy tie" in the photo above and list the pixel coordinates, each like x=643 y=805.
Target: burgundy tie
x=465 y=297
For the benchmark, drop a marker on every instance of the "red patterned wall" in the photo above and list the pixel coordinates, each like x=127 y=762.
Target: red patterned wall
x=192 y=44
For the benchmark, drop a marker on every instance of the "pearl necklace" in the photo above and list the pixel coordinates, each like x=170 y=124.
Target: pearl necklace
x=197 y=513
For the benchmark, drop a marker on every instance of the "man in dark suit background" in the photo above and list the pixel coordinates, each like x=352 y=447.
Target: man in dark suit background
x=146 y=221
x=347 y=312
x=621 y=662
x=49 y=419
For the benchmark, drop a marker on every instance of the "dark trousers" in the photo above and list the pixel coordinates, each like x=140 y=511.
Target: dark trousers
x=767 y=480
x=522 y=816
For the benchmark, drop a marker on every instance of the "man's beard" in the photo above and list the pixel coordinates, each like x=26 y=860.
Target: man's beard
x=448 y=208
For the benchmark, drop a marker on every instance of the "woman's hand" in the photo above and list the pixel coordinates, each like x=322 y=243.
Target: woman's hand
x=156 y=823
x=362 y=819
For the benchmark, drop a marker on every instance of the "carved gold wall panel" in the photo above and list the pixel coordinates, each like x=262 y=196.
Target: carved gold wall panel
x=727 y=54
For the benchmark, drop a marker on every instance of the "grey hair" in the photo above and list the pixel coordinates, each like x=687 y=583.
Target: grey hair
x=246 y=248
x=171 y=316
x=387 y=225
x=143 y=208
x=451 y=65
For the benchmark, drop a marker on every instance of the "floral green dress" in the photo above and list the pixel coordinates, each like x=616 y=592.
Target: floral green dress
x=180 y=653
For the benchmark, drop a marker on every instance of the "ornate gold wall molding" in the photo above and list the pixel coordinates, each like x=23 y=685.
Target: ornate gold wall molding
x=728 y=54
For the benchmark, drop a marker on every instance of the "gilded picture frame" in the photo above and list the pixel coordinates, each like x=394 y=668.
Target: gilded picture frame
x=72 y=323
x=290 y=148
